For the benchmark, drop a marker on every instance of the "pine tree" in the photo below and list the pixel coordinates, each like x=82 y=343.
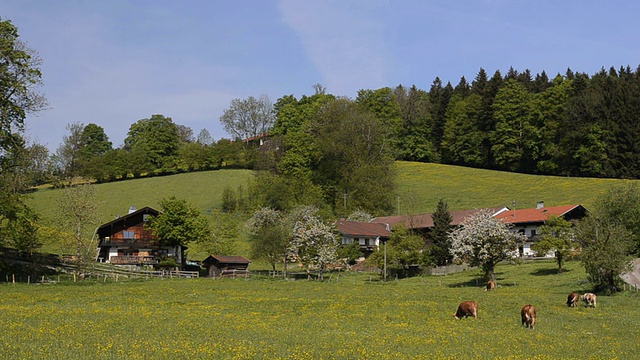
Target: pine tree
x=440 y=247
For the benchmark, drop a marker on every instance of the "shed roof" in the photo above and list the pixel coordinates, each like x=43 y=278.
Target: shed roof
x=220 y=259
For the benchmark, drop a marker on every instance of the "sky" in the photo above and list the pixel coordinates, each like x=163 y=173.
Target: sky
x=115 y=62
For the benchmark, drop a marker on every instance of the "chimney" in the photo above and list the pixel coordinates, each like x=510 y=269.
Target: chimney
x=540 y=205
x=132 y=209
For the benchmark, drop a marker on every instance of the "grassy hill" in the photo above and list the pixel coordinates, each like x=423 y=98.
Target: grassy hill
x=420 y=186
x=201 y=189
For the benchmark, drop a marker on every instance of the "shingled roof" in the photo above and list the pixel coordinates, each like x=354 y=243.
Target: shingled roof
x=363 y=229
x=425 y=221
x=541 y=215
x=226 y=259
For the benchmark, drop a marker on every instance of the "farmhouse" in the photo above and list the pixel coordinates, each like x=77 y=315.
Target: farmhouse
x=226 y=266
x=528 y=221
x=125 y=241
x=367 y=234
x=423 y=223
x=524 y=221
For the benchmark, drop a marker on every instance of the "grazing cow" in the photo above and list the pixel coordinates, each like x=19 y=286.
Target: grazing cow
x=491 y=285
x=589 y=299
x=528 y=314
x=467 y=308
x=572 y=299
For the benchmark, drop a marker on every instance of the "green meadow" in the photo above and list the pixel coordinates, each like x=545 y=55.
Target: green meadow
x=348 y=316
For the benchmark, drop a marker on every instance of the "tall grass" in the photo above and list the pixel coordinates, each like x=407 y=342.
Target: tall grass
x=352 y=316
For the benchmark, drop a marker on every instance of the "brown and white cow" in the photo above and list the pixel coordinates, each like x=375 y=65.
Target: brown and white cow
x=589 y=299
x=467 y=308
x=528 y=314
x=491 y=285
x=572 y=299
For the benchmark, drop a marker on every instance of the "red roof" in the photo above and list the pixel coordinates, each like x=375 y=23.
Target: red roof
x=537 y=215
x=364 y=229
x=422 y=221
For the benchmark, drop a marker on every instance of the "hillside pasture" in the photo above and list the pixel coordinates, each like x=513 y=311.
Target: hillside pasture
x=348 y=317
x=420 y=186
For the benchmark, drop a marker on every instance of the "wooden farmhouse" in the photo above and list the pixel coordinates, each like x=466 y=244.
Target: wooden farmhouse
x=125 y=241
x=226 y=266
x=368 y=235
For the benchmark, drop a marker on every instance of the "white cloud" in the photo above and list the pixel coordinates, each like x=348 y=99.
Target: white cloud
x=343 y=40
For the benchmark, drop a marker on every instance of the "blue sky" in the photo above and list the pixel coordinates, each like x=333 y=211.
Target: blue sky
x=115 y=62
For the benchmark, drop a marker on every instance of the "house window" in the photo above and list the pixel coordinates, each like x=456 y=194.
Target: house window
x=145 y=217
x=533 y=232
x=128 y=234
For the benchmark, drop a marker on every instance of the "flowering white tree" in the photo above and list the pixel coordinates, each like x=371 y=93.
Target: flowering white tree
x=482 y=240
x=269 y=236
x=360 y=215
x=315 y=242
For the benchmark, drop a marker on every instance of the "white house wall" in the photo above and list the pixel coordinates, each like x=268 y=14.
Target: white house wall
x=362 y=241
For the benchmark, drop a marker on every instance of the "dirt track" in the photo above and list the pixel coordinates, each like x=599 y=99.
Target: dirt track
x=633 y=277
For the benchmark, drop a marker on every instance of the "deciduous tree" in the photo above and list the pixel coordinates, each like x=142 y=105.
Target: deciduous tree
x=557 y=236
x=314 y=241
x=248 y=118
x=179 y=223
x=21 y=233
x=77 y=216
x=68 y=155
x=20 y=77
x=269 y=236
x=353 y=155
x=605 y=250
x=482 y=240
x=157 y=137
x=515 y=140
x=404 y=251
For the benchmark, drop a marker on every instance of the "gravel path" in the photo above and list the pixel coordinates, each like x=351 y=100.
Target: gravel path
x=633 y=277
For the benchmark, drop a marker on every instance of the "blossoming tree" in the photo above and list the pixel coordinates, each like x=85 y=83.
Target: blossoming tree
x=483 y=240
x=315 y=242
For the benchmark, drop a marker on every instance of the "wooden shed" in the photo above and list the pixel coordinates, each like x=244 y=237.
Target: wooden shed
x=226 y=266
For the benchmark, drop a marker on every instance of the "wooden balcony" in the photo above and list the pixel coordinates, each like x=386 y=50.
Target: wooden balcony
x=133 y=260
